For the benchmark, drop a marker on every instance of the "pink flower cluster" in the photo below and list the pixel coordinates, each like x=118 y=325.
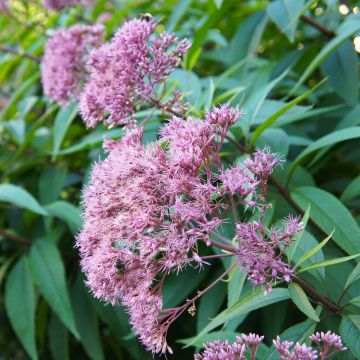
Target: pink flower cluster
x=58 y=5
x=219 y=350
x=145 y=210
x=328 y=344
x=64 y=62
x=126 y=71
x=261 y=250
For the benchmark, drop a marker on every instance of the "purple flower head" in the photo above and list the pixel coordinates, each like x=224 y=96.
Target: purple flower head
x=263 y=162
x=299 y=352
x=58 y=5
x=223 y=116
x=190 y=143
x=218 y=350
x=125 y=72
x=328 y=342
x=238 y=181
x=64 y=61
x=260 y=256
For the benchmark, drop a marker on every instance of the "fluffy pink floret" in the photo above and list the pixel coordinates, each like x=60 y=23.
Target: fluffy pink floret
x=64 y=61
x=125 y=71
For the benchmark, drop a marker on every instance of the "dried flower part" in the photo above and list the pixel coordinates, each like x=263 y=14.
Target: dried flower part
x=64 y=61
x=125 y=71
x=58 y=5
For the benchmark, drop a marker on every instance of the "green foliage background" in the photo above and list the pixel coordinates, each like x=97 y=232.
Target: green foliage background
x=298 y=84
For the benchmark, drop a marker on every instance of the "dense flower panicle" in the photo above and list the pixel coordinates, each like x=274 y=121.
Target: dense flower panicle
x=58 y=5
x=125 y=72
x=143 y=204
x=147 y=207
x=64 y=70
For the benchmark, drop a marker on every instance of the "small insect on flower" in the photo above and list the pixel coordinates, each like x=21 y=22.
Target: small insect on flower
x=147 y=17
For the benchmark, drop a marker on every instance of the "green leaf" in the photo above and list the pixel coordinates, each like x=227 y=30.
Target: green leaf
x=48 y=273
x=300 y=299
x=18 y=196
x=20 y=303
x=351 y=191
x=353 y=277
x=86 y=321
x=327 y=211
x=177 y=287
x=63 y=119
x=249 y=302
x=50 y=183
x=178 y=12
x=328 y=263
x=257 y=98
x=58 y=339
x=350 y=333
x=247 y=38
x=271 y=120
x=66 y=212
x=347 y=29
x=286 y=14
x=235 y=285
x=210 y=303
x=330 y=139
x=314 y=250
x=342 y=68
x=230 y=336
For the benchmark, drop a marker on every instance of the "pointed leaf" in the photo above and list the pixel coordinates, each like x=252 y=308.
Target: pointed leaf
x=63 y=119
x=330 y=139
x=269 y=121
x=327 y=211
x=350 y=332
x=20 y=305
x=18 y=196
x=286 y=14
x=48 y=273
x=354 y=276
x=314 y=250
x=249 y=302
x=300 y=299
x=66 y=212
x=347 y=29
x=351 y=191
x=328 y=263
